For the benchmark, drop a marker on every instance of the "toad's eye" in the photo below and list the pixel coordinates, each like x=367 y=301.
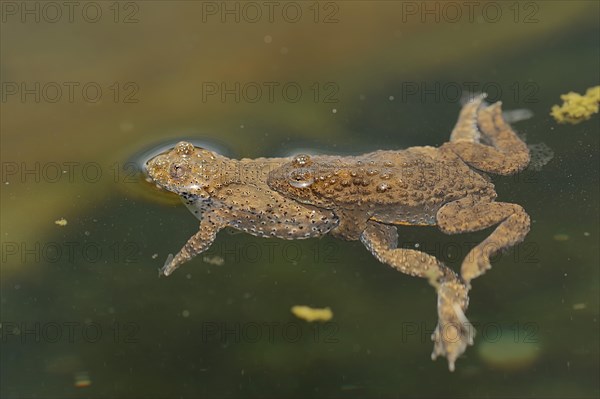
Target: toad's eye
x=301 y=178
x=177 y=171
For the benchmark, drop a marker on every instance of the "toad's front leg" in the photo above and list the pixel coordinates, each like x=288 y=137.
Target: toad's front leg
x=453 y=332
x=198 y=243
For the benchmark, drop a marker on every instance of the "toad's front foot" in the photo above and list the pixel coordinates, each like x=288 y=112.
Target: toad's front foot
x=167 y=268
x=453 y=332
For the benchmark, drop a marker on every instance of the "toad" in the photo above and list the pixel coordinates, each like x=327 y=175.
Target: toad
x=366 y=198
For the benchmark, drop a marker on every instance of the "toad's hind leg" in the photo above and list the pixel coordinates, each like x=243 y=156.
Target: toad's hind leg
x=466 y=126
x=453 y=332
x=507 y=153
x=466 y=215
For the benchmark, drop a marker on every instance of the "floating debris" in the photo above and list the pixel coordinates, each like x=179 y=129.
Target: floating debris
x=82 y=379
x=579 y=306
x=508 y=353
x=214 y=260
x=62 y=222
x=312 y=314
x=577 y=108
x=561 y=237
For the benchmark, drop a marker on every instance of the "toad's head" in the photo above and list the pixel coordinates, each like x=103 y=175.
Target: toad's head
x=187 y=170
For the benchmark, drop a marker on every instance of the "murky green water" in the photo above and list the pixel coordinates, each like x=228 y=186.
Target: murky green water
x=85 y=93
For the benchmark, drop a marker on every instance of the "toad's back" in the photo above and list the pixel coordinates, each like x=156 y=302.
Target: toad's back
x=415 y=182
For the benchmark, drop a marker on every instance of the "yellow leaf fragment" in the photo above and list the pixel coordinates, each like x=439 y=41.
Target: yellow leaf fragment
x=61 y=222
x=312 y=314
x=577 y=108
